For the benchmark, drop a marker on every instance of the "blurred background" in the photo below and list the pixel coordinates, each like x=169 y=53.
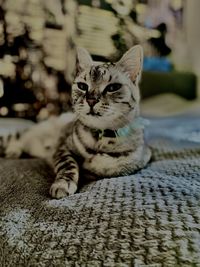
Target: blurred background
x=38 y=39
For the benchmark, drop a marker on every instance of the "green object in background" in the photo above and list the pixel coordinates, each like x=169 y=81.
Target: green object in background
x=180 y=83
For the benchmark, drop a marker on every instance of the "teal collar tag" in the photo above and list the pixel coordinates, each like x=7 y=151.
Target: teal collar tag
x=138 y=123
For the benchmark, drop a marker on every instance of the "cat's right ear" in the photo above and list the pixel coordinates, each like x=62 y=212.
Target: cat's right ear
x=131 y=63
x=83 y=59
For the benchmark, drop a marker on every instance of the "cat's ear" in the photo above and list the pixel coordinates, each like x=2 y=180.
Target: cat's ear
x=131 y=63
x=83 y=59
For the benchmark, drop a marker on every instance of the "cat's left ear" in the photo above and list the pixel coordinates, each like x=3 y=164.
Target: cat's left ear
x=131 y=63
x=83 y=59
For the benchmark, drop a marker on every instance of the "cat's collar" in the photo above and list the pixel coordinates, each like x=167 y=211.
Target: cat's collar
x=138 y=123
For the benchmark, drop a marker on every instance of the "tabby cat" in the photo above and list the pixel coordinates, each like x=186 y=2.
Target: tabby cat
x=102 y=138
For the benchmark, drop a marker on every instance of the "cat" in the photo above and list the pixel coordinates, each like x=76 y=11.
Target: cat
x=101 y=138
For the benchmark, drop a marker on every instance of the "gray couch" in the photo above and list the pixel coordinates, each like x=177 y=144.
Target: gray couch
x=151 y=218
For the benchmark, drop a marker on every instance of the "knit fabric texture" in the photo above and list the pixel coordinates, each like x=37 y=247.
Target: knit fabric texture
x=151 y=218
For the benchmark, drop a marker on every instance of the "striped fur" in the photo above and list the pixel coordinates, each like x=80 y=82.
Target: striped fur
x=40 y=140
x=84 y=145
x=105 y=96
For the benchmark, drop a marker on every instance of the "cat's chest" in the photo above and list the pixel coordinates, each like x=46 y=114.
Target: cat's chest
x=87 y=144
x=105 y=144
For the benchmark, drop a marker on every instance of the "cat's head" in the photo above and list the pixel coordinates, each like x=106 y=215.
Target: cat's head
x=106 y=95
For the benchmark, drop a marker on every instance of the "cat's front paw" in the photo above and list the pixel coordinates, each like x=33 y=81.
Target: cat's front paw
x=62 y=188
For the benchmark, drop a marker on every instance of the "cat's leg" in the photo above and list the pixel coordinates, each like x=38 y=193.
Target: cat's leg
x=67 y=175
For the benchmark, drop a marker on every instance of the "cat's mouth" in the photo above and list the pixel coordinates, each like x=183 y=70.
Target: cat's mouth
x=93 y=113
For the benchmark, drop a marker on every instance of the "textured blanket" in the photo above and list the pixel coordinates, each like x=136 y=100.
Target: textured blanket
x=151 y=218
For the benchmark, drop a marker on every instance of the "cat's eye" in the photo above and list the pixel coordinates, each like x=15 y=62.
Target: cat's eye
x=113 y=87
x=82 y=86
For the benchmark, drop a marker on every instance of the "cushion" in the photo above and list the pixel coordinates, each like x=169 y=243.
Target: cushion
x=151 y=218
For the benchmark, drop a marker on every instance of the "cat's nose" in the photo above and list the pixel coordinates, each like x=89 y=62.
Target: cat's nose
x=92 y=101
